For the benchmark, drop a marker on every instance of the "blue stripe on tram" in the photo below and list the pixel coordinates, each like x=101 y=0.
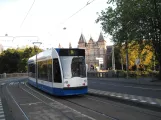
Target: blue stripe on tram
x=60 y=91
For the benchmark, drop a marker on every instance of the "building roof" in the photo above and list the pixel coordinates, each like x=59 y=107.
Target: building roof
x=101 y=38
x=70 y=45
x=82 y=39
x=90 y=40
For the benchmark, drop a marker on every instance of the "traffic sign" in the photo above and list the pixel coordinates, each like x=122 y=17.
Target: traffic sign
x=137 y=61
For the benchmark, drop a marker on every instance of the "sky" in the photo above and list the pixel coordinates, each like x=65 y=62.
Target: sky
x=46 y=20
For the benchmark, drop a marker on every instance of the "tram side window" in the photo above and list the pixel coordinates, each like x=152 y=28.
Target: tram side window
x=31 y=70
x=42 y=70
x=50 y=70
x=56 y=71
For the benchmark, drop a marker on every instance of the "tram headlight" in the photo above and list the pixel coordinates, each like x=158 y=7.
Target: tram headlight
x=66 y=82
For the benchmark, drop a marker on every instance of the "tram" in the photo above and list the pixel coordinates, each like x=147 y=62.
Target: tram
x=59 y=71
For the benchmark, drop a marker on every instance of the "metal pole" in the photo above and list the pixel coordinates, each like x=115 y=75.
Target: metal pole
x=127 y=60
x=122 y=64
x=113 y=58
x=36 y=69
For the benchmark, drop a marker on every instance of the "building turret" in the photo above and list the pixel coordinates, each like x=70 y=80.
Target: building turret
x=59 y=46
x=101 y=42
x=82 y=41
x=70 y=45
x=101 y=38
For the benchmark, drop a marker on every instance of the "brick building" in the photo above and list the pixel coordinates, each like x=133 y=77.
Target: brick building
x=94 y=49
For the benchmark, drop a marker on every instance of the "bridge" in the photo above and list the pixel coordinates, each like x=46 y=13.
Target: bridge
x=107 y=99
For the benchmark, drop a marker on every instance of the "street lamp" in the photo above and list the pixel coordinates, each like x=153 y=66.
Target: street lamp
x=36 y=44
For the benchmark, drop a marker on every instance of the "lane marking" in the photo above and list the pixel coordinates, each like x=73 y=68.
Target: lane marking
x=153 y=103
x=3 y=83
x=134 y=99
x=126 y=97
x=31 y=103
x=112 y=95
x=119 y=96
x=1 y=112
x=1 y=115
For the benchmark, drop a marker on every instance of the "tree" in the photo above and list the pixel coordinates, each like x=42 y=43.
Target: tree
x=137 y=20
x=15 y=60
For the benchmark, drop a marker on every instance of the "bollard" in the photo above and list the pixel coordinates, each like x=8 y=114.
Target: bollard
x=4 y=75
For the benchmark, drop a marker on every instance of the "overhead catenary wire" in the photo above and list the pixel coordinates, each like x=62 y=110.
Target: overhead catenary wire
x=27 y=13
x=88 y=3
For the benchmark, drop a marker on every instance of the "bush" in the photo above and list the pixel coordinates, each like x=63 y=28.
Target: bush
x=154 y=73
x=121 y=73
x=133 y=74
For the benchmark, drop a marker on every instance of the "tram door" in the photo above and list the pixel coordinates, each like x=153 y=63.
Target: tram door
x=57 y=80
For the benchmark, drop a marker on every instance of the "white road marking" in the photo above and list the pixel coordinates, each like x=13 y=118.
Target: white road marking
x=1 y=112
x=134 y=99
x=153 y=103
x=1 y=115
x=126 y=97
x=11 y=83
x=119 y=96
x=31 y=103
x=112 y=95
x=3 y=83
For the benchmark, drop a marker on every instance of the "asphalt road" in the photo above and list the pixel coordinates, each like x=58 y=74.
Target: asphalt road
x=23 y=102
x=127 y=88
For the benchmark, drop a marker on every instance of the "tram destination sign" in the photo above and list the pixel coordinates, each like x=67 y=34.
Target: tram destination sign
x=71 y=52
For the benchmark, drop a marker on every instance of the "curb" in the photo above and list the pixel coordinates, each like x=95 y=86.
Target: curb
x=140 y=101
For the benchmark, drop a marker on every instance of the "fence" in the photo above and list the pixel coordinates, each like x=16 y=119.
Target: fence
x=123 y=74
x=12 y=75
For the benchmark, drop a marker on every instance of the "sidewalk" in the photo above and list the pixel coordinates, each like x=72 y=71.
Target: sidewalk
x=143 y=81
x=139 y=100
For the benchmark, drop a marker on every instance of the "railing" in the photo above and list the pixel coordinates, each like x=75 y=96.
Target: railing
x=122 y=74
x=13 y=75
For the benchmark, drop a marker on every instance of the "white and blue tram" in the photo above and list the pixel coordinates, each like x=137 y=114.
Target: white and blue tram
x=59 y=71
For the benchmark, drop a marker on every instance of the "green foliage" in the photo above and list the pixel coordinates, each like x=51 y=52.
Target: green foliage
x=15 y=60
x=137 y=20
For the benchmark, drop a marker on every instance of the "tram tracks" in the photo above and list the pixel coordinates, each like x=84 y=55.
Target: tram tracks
x=105 y=112
x=68 y=105
x=104 y=116
x=55 y=106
